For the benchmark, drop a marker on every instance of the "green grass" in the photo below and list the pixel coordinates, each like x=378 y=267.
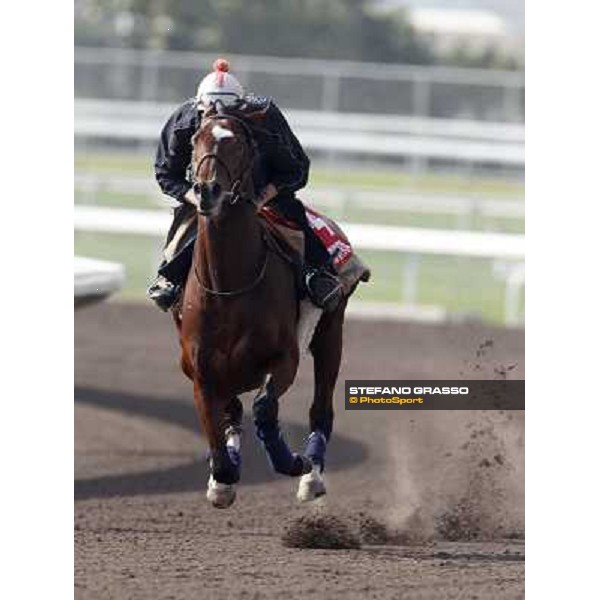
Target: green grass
x=140 y=255
x=350 y=213
x=116 y=199
x=460 y=285
x=434 y=183
x=368 y=177
x=130 y=163
x=402 y=218
x=465 y=286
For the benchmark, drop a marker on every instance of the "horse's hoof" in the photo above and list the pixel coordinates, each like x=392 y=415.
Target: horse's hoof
x=311 y=486
x=220 y=495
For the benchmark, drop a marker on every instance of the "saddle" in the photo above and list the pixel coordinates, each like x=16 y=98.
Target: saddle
x=285 y=236
x=286 y=239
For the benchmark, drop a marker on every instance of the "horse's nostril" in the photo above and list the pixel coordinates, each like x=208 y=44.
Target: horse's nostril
x=208 y=194
x=204 y=192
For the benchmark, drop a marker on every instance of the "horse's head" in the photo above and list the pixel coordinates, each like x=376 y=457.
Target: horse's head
x=224 y=155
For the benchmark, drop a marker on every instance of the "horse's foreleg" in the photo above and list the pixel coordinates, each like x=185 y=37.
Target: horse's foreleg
x=186 y=367
x=234 y=411
x=265 y=410
x=326 y=348
x=224 y=452
x=185 y=360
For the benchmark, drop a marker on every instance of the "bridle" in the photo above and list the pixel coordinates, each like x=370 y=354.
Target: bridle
x=237 y=291
x=236 y=182
x=234 y=195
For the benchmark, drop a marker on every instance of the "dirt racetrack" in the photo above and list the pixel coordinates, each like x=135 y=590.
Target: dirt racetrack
x=436 y=498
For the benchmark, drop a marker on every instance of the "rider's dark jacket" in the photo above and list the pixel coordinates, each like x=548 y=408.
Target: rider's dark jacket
x=282 y=159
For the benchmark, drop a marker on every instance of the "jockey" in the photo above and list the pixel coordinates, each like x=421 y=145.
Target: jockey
x=283 y=171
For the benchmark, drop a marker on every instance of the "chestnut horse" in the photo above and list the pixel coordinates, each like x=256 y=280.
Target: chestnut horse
x=238 y=317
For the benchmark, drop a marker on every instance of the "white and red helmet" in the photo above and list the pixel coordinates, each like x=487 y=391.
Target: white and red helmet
x=220 y=85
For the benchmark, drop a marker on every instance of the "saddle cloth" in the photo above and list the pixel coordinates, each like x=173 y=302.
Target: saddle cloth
x=348 y=265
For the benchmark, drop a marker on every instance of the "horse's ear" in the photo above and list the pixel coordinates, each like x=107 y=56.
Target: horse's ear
x=210 y=111
x=220 y=108
x=195 y=137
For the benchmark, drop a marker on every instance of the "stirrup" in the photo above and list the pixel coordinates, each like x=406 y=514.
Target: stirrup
x=324 y=288
x=163 y=293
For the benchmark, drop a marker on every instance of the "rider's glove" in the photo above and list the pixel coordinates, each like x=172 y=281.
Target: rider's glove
x=190 y=197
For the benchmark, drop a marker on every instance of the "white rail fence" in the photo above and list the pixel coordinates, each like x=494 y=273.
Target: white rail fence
x=466 y=208
x=312 y=84
x=413 y=242
x=416 y=139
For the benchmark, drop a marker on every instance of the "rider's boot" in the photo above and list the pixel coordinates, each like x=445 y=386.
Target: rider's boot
x=163 y=293
x=324 y=287
x=172 y=275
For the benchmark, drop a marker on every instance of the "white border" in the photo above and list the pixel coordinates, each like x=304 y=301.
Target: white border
x=37 y=318
x=563 y=302
x=563 y=223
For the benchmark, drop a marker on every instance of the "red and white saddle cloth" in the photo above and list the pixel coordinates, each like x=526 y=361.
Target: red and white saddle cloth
x=350 y=268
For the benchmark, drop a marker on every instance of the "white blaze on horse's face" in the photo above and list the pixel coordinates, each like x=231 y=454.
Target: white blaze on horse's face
x=221 y=133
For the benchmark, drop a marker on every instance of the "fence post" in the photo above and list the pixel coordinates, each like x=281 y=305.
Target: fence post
x=514 y=284
x=512 y=105
x=149 y=78
x=410 y=279
x=421 y=95
x=330 y=101
x=421 y=108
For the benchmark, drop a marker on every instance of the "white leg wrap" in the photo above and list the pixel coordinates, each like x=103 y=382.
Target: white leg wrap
x=221 y=495
x=234 y=440
x=311 y=486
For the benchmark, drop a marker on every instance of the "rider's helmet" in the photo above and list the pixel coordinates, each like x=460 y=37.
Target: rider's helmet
x=220 y=85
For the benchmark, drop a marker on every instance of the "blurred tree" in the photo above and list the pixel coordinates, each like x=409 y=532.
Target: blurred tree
x=338 y=29
x=486 y=58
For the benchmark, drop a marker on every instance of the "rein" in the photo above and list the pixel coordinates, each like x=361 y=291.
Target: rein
x=238 y=291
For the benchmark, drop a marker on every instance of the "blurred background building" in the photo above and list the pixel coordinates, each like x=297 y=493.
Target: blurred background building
x=411 y=110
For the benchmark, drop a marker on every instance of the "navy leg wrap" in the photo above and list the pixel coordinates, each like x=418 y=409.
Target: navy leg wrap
x=326 y=426
x=223 y=467
x=321 y=419
x=280 y=456
x=315 y=448
x=234 y=454
x=234 y=457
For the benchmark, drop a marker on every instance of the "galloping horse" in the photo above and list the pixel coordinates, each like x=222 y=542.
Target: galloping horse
x=237 y=320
